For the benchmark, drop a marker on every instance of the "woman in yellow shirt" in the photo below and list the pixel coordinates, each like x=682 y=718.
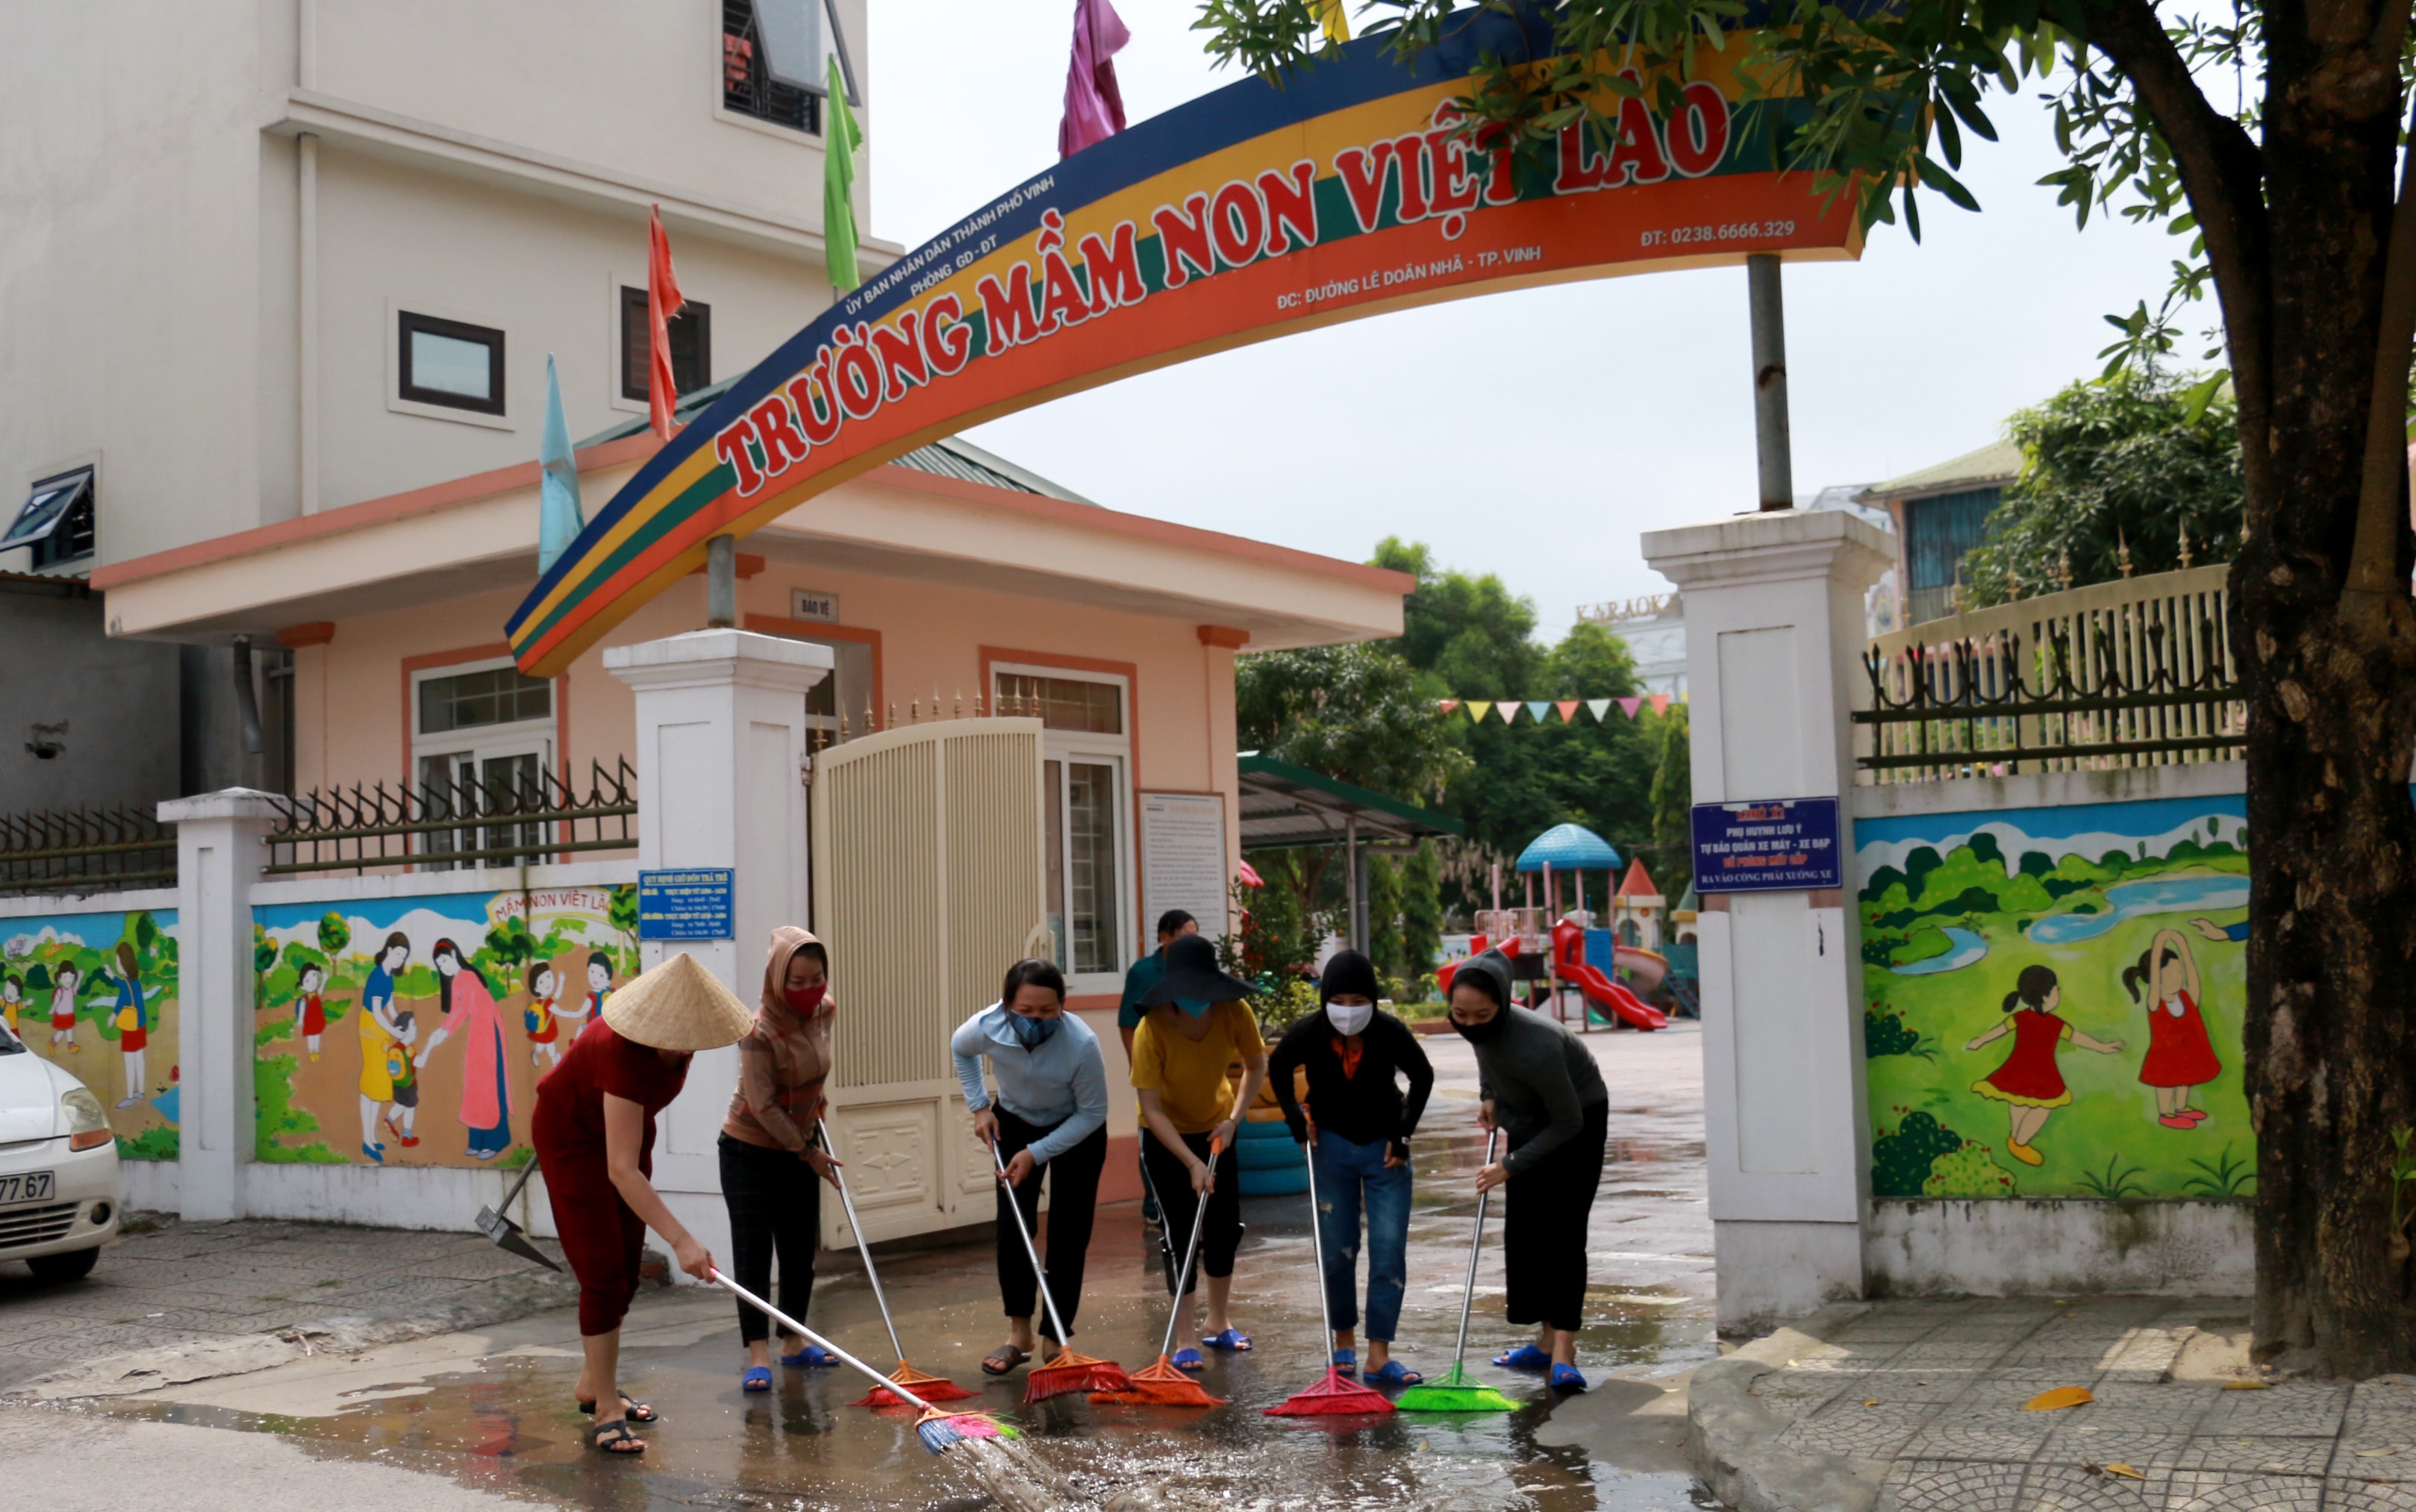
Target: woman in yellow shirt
x=1197 y=1025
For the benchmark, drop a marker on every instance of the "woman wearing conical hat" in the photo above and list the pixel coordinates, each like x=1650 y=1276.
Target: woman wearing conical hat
x=595 y=1136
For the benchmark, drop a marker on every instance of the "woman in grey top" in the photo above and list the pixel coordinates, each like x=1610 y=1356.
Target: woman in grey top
x=1541 y=1088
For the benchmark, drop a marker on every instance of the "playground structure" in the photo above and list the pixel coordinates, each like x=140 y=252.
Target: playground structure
x=1569 y=950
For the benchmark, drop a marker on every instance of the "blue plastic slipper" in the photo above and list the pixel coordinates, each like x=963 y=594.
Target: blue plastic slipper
x=1346 y=1362
x=1188 y=1359
x=758 y=1378
x=1566 y=1378
x=1525 y=1358
x=1233 y=1340
x=1394 y=1373
x=812 y=1357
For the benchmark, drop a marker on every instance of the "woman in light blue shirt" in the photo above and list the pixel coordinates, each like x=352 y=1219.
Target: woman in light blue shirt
x=1048 y=1115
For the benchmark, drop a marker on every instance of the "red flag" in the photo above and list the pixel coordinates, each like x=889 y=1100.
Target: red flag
x=663 y=301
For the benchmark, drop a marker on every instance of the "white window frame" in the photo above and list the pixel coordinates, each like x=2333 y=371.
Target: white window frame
x=1064 y=745
x=480 y=743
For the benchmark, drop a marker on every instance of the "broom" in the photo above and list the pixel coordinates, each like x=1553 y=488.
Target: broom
x=1332 y=1397
x=1162 y=1384
x=1455 y=1393
x=931 y=1387
x=1069 y=1371
x=1012 y=1475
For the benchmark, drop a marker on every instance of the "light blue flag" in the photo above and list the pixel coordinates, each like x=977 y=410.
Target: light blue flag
x=1537 y=708
x=559 y=520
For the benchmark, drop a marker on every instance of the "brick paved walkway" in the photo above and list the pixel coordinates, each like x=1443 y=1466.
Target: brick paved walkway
x=1917 y=1405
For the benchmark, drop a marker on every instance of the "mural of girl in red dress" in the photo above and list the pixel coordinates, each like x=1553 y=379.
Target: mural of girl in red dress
x=541 y=1016
x=2181 y=1058
x=2028 y=1081
x=310 y=1006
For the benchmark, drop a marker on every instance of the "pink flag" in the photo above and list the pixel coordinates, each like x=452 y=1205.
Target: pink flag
x=1660 y=703
x=1448 y=705
x=1095 y=109
x=1629 y=706
x=1568 y=707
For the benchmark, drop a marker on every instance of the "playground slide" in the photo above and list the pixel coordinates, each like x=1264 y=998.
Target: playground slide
x=1611 y=997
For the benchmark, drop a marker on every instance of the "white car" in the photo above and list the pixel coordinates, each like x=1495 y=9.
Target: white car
x=58 y=1166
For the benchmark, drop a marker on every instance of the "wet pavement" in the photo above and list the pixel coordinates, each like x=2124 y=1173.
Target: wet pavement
x=490 y=1410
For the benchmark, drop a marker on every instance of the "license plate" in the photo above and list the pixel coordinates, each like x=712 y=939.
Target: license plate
x=25 y=1187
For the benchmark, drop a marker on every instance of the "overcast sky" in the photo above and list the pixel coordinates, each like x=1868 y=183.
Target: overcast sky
x=1332 y=439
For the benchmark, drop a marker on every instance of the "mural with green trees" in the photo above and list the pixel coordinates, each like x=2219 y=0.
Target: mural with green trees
x=2052 y=1000
x=98 y=993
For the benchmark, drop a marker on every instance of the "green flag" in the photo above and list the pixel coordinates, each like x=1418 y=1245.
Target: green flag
x=839 y=141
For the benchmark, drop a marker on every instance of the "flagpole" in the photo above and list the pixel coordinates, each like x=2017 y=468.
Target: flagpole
x=721 y=582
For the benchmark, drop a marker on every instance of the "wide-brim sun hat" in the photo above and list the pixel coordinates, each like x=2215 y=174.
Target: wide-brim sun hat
x=1193 y=976
x=679 y=1005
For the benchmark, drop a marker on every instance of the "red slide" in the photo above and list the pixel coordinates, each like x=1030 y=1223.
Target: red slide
x=1611 y=997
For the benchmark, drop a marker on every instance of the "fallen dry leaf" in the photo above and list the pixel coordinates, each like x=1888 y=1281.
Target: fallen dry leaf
x=2118 y=1468
x=1873 y=1403
x=2377 y=1454
x=2059 y=1398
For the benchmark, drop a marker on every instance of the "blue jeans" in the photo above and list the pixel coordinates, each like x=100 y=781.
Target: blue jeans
x=1350 y=1177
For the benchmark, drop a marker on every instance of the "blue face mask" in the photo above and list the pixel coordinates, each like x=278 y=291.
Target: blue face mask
x=1030 y=1032
x=1194 y=1009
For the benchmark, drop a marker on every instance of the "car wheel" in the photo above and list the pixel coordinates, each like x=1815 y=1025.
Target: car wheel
x=72 y=1267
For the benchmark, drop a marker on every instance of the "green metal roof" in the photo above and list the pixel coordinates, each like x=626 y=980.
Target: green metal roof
x=1998 y=462
x=1284 y=805
x=949 y=457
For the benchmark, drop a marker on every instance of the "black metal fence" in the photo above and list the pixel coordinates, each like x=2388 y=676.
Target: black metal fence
x=2097 y=690
x=85 y=849
x=530 y=818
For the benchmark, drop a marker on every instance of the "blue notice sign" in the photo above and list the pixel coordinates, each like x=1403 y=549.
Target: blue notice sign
x=694 y=905
x=1768 y=845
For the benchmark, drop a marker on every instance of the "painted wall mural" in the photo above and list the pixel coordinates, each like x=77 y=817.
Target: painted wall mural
x=413 y=1031
x=97 y=992
x=2052 y=1000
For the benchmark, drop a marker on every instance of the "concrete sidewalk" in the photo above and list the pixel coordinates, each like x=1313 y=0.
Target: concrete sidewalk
x=186 y=1301
x=1920 y=1404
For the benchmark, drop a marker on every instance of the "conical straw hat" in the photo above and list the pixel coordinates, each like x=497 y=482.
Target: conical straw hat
x=679 y=1006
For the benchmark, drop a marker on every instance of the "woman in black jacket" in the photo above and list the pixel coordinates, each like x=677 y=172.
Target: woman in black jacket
x=1543 y=1089
x=1357 y=1128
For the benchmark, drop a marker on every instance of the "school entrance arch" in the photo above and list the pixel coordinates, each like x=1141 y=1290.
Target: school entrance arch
x=1251 y=213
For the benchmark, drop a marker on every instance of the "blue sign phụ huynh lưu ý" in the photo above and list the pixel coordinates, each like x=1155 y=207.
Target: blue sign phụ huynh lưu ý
x=1767 y=845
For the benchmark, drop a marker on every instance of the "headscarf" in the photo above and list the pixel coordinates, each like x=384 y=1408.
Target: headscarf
x=779 y=1030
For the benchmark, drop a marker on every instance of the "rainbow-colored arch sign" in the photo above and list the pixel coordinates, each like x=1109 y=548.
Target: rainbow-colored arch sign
x=1250 y=213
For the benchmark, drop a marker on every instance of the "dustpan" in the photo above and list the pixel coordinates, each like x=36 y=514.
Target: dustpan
x=1162 y=1384
x=1455 y=1392
x=1069 y=1371
x=1334 y=1396
x=504 y=1231
x=918 y=1383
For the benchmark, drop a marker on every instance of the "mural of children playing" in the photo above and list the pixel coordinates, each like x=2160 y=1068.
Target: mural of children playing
x=63 y=1002
x=2028 y=1080
x=12 y=999
x=402 y=1070
x=133 y=1022
x=309 y=1011
x=377 y=1032
x=470 y=1011
x=2181 y=1058
x=600 y=987
x=544 y=1026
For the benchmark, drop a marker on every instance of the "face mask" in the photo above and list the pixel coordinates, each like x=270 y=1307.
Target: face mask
x=1030 y=1032
x=1349 y=1019
x=806 y=1000
x=1194 y=1009
x=1479 y=1034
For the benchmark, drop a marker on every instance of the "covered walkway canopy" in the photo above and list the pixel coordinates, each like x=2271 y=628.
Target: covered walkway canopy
x=1285 y=807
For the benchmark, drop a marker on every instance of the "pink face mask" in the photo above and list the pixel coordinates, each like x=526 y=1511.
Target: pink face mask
x=806 y=1000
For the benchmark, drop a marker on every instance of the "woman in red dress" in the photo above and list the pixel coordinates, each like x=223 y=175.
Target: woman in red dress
x=595 y=1136
x=2028 y=1081
x=2180 y=1057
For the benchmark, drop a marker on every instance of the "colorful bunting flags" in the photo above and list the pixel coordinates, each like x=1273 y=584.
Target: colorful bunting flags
x=1447 y=704
x=1477 y=709
x=1601 y=707
x=1535 y=707
x=1660 y=704
x=1507 y=710
x=1568 y=707
x=1629 y=706
x=1540 y=711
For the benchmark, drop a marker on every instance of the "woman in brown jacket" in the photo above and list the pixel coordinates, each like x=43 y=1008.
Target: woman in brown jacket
x=769 y=1158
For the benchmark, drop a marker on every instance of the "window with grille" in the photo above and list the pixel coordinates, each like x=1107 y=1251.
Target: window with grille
x=1086 y=792
x=748 y=87
x=482 y=745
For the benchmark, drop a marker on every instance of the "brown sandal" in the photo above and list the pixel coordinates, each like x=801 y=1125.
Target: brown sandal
x=1002 y=1359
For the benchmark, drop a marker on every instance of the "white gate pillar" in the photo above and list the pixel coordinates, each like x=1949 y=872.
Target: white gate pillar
x=1774 y=626
x=720 y=746
x=218 y=858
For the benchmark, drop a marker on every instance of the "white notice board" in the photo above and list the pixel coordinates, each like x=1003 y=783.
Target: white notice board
x=1183 y=858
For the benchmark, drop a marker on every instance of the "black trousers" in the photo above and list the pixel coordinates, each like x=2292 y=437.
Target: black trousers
x=1220 y=1231
x=775 y=1206
x=1544 y=1234
x=1073 y=1180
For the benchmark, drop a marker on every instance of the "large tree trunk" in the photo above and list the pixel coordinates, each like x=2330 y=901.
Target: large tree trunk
x=2328 y=643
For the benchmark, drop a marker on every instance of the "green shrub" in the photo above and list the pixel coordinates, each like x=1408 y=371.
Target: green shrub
x=1884 y=1034
x=1900 y=1161
x=1970 y=1171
